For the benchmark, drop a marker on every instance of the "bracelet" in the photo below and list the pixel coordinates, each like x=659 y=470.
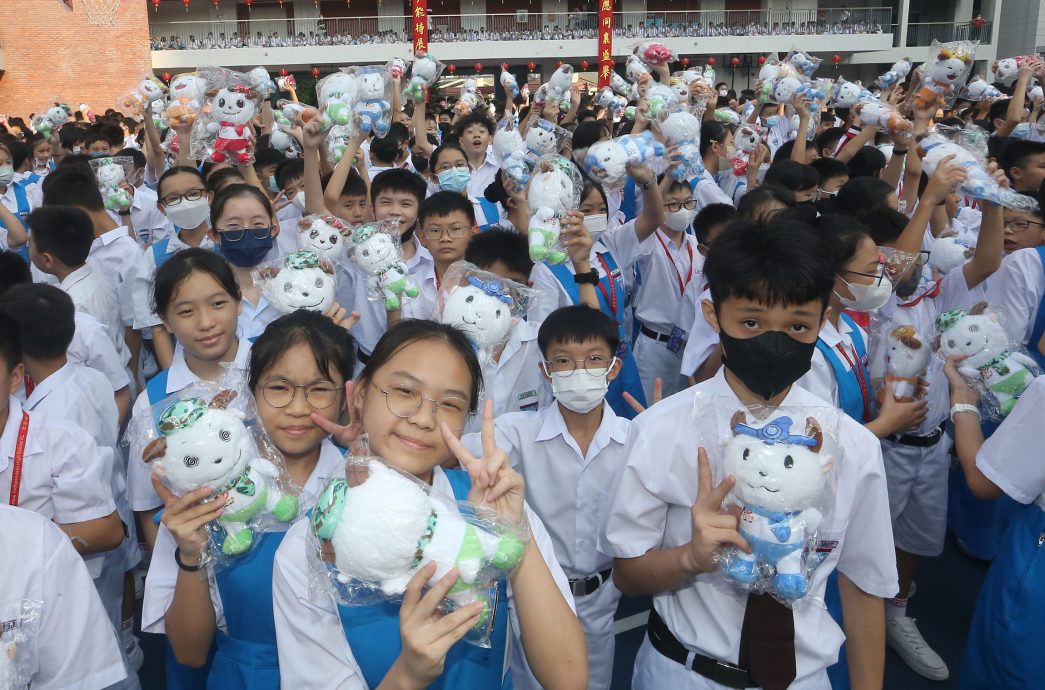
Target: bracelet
x=647 y=185
x=186 y=568
x=964 y=407
x=123 y=213
x=899 y=152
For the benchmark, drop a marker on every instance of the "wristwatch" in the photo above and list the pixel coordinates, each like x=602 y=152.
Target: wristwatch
x=964 y=407
x=123 y=213
x=591 y=277
x=649 y=184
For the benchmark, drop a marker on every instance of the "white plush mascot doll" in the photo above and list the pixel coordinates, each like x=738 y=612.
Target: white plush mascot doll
x=232 y=108
x=906 y=360
x=380 y=258
x=327 y=236
x=481 y=310
x=304 y=282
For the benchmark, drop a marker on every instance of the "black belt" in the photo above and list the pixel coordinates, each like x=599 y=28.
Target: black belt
x=586 y=585
x=650 y=333
x=927 y=441
x=718 y=671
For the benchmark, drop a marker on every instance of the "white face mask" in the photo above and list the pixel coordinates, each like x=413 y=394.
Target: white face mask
x=596 y=225
x=723 y=92
x=867 y=297
x=299 y=201
x=680 y=220
x=189 y=214
x=7 y=173
x=581 y=391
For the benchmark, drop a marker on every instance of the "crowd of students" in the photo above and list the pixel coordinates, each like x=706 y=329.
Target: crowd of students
x=768 y=287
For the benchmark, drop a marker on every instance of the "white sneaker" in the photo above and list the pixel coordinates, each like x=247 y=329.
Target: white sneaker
x=135 y=655
x=902 y=635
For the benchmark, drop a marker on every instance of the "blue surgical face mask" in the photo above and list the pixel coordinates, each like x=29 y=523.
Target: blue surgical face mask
x=7 y=174
x=246 y=252
x=454 y=179
x=99 y=154
x=273 y=187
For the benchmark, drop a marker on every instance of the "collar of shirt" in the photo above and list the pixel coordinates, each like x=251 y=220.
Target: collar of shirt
x=522 y=332
x=611 y=428
x=179 y=376
x=75 y=277
x=176 y=244
x=831 y=335
x=9 y=438
x=53 y=382
x=144 y=199
x=107 y=238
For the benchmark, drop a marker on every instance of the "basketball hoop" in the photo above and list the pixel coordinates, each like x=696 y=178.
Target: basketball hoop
x=100 y=12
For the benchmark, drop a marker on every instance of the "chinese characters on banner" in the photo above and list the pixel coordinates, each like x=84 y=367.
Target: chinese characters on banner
x=605 y=42
x=420 y=20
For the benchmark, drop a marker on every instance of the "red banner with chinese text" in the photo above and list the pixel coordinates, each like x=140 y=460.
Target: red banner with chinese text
x=605 y=42
x=420 y=20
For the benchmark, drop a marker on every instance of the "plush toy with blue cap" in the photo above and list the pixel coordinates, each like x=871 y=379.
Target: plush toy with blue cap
x=481 y=309
x=780 y=478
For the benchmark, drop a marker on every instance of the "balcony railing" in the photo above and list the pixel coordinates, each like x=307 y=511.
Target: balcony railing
x=521 y=25
x=925 y=34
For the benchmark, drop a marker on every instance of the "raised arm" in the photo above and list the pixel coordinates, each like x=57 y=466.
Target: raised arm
x=652 y=201
x=312 y=136
x=856 y=143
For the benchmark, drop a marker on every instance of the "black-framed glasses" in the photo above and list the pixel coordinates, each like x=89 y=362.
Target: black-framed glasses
x=455 y=232
x=1020 y=224
x=923 y=257
x=191 y=195
x=235 y=233
x=878 y=277
x=404 y=401
x=676 y=206
x=319 y=395
x=592 y=364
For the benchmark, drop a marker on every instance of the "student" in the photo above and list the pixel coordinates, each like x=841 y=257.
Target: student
x=1024 y=162
x=322 y=645
x=803 y=180
x=866 y=162
x=96 y=145
x=182 y=198
x=40 y=159
x=475 y=134
x=349 y=202
x=14 y=197
x=266 y=161
x=1024 y=229
x=74 y=646
x=390 y=151
x=827 y=142
x=450 y=172
x=298 y=367
x=571 y=455
x=446 y=223
x=772 y=287
x=833 y=175
x=61 y=247
x=716 y=142
x=147 y=219
x=289 y=203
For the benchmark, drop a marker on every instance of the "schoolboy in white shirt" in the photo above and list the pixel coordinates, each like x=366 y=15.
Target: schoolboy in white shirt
x=149 y=223
x=771 y=287
x=571 y=455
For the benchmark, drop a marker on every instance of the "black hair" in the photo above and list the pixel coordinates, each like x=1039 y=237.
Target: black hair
x=1017 y=152
x=828 y=139
x=221 y=178
x=792 y=174
x=784 y=151
x=19 y=153
x=354 y=184
x=69 y=136
x=499 y=244
x=711 y=216
x=866 y=162
x=442 y=204
x=398 y=180
x=577 y=324
x=45 y=318
x=587 y=133
x=332 y=347
x=234 y=191
x=862 y=194
x=433 y=160
x=10 y=343
x=113 y=133
x=410 y=331
x=96 y=136
x=751 y=202
x=779 y=264
x=829 y=168
x=178 y=170
x=181 y=266
x=711 y=132
x=997 y=109
x=14 y=270
x=841 y=236
x=386 y=148
x=884 y=224
x=135 y=155
x=289 y=169
x=1040 y=211
x=65 y=232
x=32 y=141
x=590 y=186
x=266 y=156
x=72 y=188
x=78 y=163
x=473 y=118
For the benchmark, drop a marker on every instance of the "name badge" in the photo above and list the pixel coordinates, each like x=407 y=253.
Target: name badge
x=824 y=549
x=527 y=400
x=677 y=340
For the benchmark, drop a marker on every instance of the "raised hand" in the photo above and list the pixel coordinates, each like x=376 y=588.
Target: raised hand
x=344 y=435
x=575 y=237
x=658 y=395
x=341 y=317
x=712 y=526
x=187 y=516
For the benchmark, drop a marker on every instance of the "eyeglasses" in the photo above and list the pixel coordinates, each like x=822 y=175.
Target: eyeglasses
x=923 y=258
x=878 y=277
x=455 y=232
x=567 y=365
x=1019 y=224
x=191 y=195
x=280 y=393
x=235 y=233
x=404 y=401
x=676 y=206
x=446 y=166
x=824 y=194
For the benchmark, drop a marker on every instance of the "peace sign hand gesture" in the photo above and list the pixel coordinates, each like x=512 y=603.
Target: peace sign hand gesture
x=713 y=527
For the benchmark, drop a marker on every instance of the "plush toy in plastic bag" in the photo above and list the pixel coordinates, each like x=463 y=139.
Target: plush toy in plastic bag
x=784 y=89
x=201 y=440
x=876 y=113
x=636 y=71
x=1007 y=70
x=112 y=174
x=186 y=98
x=654 y=53
x=142 y=94
x=607 y=160
x=681 y=129
x=337 y=142
x=52 y=118
x=560 y=87
x=377 y=527
x=746 y=141
x=223 y=131
x=619 y=86
x=660 y=98
x=516 y=160
x=947 y=253
x=260 y=80
x=907 y=360
x=555 y=187
x=979 y=184
x=336 y=93
x=727 y=116
x=544 y=138
x=803 y=63
x=327 y=236
x=426 y=69
x=509 y=82
x=849 y=93
x=607 y=98
x=18 y=642
x=377 y=250
x=944 y=74
x=373 y=104
x=397 y=67
x=977 y=89
x=896 y=74
x=303 y=281
x=993 y=363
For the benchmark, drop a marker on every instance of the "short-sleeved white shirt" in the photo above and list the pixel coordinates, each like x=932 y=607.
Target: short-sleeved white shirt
x=146 y=217
x=145 y=276
x=93 y=294
x=700 y=341
x=820 y=379
x=708 y=192
x=92 y=347
x=1013 y=456
x=116 y=255
x=82 y=396
x=1017 y=289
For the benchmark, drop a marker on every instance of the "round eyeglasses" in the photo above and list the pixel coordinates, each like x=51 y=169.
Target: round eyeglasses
x=404 y=401
x=319 y=395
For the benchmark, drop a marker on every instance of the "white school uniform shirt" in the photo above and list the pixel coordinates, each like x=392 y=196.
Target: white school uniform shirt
x=1012 y=457
x=82 y=396
x=651 y=510
x=65 y=476
x=145 y=276
x=820 y=379
x=484 y=175
x=700 y=341
x=253 y=318
x=1017 y=288
x=708 y=192
x=116 y=255
x=571 y=491
x=93 y=294
x=733 y=186
x=140 y=493
x=615 y=199
x=553 y=294
x=92 y=347
x=426 y=304
x=163 y=571
x=75 y=645
x=149 y=223
x=313 y=651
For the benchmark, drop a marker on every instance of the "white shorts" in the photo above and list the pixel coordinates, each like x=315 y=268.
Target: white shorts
x=917 y=482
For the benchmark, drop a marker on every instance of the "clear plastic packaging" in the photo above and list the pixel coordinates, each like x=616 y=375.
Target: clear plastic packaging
x=875 y=113
x=979 y=184
x=208 y=435
x=112 y=174
x=260 y=80
x=336 y=94
x=185 y=100
x=607 y=98
x=660 y=99
x=947 y=253
x=849 y=93
x=337 y=142
x=555 y=188
x=423 y=74
x=993 y=363
x=545 y=138
x=51 y=118
x=803 y=63
x=560 y=87
x=509 y=82
x=397 y=68
x=727 y=116
x=373 y=100
x=636 y=71
x=223 y=131
x=303 y=281
x=906 y=361
x=18 y=642
x=977 y=89
x=607 y=160
x=896 y=74
x=681 y=129
x=619 y=86
x=137 y=101
x=375 y=528
x=654 y=53
x=327 y=236
x=516 y=159
x=377 y=250
x=938 y=81
x=287 y=83
x=746 y=141
x=1007 y=70
x=897 y=263
x=785 y=461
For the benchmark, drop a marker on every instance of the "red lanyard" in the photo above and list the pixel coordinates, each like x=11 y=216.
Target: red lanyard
x=30 y=385
x=858 y=371
x=931 y=293
x=678 y=274
x=611 y=296
x=16 y=469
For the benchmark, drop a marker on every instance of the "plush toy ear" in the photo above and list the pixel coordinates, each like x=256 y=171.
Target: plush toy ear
x=326 y=266
x=813 y=429
x=911 y=341
x=739 y=417
x=268 y=272
x=221 y=400
x=978 y=308
x=155 y=450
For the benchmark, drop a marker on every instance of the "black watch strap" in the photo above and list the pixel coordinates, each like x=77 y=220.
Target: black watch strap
x=186 y=568
x=591 y=277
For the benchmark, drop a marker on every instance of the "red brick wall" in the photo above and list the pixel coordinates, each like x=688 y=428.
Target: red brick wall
x=51 y=53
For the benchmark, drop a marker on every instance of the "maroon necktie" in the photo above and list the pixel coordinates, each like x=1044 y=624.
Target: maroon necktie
x=767 y=642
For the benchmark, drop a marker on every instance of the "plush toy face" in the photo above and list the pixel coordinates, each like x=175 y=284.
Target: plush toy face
x=57 y=115
x=562 y=79
x=1005 y=69
x=212 y=451
x=316 y=235
x=110 y=174
x=746 y=139
x=484 y=318
x=506 y=142
x=187 y=86
x=908 y=356
x=607 y=156
x=779 y=476
x=371 y=86
x=681 y=126
x=233 y=106
x=376 y=254
x=785 y=88
x=302 y=288
x=977 y=337
x=901 y=67
x=846 y=94
x=540 y=140
x=426 y=68
x=551 y=189
x=150 y=89
x=946 y=71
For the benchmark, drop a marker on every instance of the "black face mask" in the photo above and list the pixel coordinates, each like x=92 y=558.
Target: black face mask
x=420 y=163
x=768 y=363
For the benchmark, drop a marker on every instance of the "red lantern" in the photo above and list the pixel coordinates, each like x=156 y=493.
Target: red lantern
x=156 y=5
x=186 y=3
x=761 y=60
x=166 y=76
x=504 y=65
x=283 y=71
x=531 y=66
x=451 y=68
x=584 y=64
x=836 y=58
x=734 y=61
x=685 y=61
x=315 y=71
x=248 y=3
x=216 y=3
x=711 y=61
x=478 y=67
x=978 y=22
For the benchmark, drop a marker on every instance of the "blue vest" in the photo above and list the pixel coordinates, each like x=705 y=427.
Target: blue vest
x=627 y=201
x=493 y=216
x=156 y=387
x=628 y=378
x=850 y=397
x=1039 y=322
x=22 y=199
x=159 y=252
x=373 y=635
